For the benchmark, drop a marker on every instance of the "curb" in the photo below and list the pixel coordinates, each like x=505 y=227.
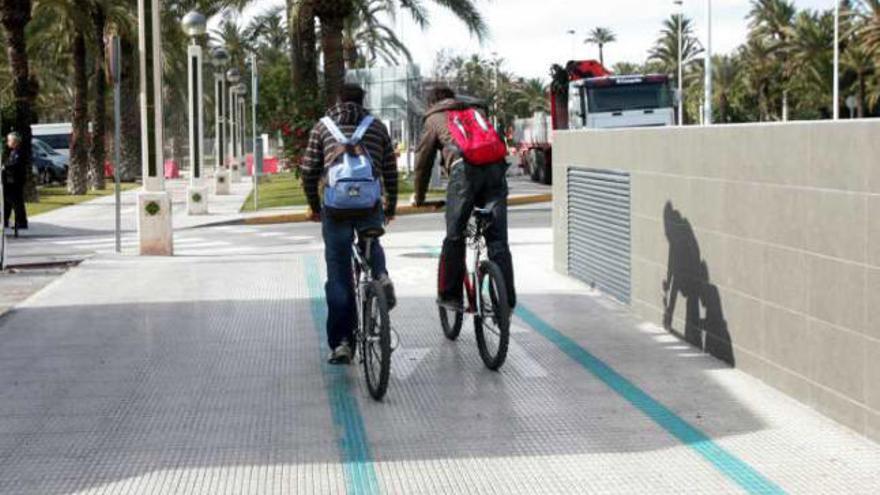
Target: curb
x=401 y=211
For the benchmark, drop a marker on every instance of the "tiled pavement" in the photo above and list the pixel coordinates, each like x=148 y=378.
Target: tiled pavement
x=205 y=374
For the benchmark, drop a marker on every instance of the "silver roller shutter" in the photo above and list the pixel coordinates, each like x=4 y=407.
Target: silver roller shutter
x=599 y=229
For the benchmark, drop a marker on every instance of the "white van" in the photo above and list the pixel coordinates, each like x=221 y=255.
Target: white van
x=55 y=135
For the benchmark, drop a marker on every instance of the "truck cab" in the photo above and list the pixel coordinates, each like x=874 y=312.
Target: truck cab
x=621 y=101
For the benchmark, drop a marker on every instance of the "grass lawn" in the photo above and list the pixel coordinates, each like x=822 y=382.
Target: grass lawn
x=284 y=189
x=54 y=197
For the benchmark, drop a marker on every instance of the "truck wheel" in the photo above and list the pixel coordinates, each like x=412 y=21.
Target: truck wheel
x=540 y=174
x=531 y=165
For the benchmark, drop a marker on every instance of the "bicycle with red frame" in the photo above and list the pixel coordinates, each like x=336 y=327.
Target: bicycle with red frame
x=485 y=296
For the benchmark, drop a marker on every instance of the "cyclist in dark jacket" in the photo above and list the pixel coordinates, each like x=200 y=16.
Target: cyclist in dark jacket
x=469 y=186
x=14 y=175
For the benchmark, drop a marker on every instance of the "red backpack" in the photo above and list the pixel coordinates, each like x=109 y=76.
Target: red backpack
x=477 y=140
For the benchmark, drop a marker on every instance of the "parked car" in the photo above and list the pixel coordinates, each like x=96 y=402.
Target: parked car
x=50 y=164
x=57 y=136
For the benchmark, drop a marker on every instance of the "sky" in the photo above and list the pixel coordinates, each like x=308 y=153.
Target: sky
x=531 y=35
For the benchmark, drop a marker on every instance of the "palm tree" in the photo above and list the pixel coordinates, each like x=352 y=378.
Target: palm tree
x=71 y=32
x=15 y=16
x=774 y=20
x=760 y=70
x=869 y=11
x=332 y=14
x=367 y=39
x=665 y=50
x=303 y=52
x=812 y=62
x=600 y=37
x=725 y=76
x=530 y=96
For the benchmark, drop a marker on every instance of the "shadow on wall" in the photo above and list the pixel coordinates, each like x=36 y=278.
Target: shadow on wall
x=687 y=274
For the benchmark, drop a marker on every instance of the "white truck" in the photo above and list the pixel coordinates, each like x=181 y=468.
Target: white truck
x=593 y=98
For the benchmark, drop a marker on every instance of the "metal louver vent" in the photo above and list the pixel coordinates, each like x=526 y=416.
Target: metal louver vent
x=599 y=230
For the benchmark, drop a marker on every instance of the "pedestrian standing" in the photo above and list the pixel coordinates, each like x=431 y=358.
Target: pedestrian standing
x=14 y=175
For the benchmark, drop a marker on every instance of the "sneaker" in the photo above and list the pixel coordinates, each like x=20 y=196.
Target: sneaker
x=388 y=287
x=341 y=354
x=451 y=304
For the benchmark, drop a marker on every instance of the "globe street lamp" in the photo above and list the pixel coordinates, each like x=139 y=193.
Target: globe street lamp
x=233 y=76
x=220 y=57
x=194 y=25
x=241 y=121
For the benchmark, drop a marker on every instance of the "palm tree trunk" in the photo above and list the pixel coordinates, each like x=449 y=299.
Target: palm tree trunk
x=601 y=55
x=78 y=172
x=303 y=46
x=97 y=153
x=332 y=15
x=860 y=103
x=15 y=16
x=130 y=142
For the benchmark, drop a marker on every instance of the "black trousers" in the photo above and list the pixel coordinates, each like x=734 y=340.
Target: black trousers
x=13 y=199
x=469 y=187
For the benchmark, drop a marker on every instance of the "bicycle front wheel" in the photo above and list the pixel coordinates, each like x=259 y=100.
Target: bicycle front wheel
x=376 y=341
x=492 y=322
x=451 y=322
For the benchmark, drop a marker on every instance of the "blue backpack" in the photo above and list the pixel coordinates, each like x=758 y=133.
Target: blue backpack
x=351 y=188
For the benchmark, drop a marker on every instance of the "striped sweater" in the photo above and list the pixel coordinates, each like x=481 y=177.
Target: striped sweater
x=376 y=141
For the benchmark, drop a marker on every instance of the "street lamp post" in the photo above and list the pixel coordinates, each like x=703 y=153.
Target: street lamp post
x=836 y=102
x=155 y=233
x=680 y=3
x=707 y=98
x=220 y=57
x=233 y=76
x=195 y=25
x=258 y=148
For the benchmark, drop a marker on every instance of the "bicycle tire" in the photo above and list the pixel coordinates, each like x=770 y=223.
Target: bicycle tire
x=500 y=316
x=376 y=343
x=450 y=330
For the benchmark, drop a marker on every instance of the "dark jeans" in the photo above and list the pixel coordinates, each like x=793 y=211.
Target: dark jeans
x=472 y=186
x=13 y=198
x=338 y=239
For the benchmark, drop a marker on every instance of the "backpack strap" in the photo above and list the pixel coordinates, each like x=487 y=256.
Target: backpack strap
x=362 y=129
x=333 y=129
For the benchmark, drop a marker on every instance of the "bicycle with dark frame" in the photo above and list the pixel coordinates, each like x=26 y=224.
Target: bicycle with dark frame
x=373 y=334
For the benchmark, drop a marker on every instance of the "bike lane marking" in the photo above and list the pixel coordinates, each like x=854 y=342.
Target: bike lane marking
x=726 y=463
x=354 y=448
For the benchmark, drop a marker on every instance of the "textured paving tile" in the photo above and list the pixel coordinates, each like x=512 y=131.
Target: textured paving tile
x=204 y=376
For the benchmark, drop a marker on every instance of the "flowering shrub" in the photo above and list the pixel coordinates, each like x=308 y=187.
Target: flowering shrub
x=294 y=124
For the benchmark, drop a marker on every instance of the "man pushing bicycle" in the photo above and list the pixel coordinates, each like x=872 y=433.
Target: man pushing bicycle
x=474 y=157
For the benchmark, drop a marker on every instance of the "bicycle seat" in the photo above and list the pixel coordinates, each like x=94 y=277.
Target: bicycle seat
x=484 y=212
x=371 y=233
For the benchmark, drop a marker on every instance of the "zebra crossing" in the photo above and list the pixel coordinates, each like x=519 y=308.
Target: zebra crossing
x=209 y=241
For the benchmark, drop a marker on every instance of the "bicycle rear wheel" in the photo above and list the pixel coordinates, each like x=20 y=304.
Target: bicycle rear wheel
x=451 y=322
x=492 y=322
x=376 y=341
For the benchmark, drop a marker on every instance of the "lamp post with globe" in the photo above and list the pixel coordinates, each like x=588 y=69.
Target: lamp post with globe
x=220 y=57
x=194 y=25
x=233 y=76
x=155 y=233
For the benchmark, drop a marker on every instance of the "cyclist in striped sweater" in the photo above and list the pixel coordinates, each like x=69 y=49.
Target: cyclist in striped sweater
x=339 y=227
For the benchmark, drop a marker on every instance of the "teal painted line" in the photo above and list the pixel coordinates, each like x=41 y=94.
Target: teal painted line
x=354 y=447
x=732 y=467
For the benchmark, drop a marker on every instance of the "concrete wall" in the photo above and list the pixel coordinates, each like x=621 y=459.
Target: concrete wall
x=786 y=219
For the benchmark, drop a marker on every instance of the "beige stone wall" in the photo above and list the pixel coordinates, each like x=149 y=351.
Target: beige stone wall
x=786 y=219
